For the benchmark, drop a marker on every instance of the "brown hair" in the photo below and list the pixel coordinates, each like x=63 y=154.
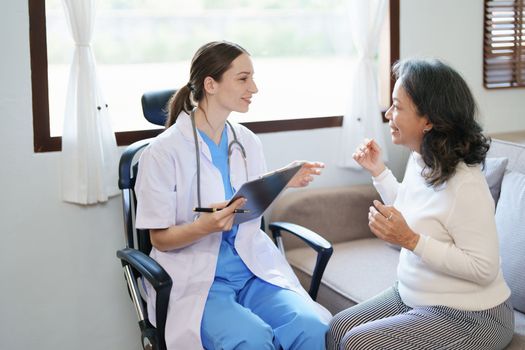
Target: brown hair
x=210 y=60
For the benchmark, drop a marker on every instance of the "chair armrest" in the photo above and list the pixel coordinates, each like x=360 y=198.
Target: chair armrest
x=147 y=267
x=158 y=278
x=338 y=214
x=319 y=244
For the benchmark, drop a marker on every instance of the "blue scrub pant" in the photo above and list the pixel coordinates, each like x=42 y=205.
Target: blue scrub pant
x=260 y=316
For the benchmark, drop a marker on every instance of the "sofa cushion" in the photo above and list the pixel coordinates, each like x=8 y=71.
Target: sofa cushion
x=510 y=221
x=349 y=266
x=494 y=170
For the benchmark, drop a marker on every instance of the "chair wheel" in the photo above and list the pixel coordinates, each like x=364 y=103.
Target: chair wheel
x=149 y=339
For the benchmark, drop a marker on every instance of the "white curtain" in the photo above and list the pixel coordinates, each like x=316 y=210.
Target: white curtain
x=363 y=116
x=89 y=149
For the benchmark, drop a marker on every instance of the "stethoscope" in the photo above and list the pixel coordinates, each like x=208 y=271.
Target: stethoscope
x=231 y=146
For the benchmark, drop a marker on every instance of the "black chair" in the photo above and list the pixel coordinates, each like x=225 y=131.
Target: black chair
x=135 y=256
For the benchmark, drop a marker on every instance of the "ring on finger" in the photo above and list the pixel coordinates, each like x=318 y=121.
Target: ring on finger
x=390 y=216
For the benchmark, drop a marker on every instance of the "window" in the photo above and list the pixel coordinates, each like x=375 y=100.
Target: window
x=504 y=44
x=305 y=43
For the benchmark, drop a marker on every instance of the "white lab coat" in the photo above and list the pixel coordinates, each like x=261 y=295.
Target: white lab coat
x=167 y=191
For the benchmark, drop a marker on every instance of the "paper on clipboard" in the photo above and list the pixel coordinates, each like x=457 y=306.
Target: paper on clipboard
x=261 y=192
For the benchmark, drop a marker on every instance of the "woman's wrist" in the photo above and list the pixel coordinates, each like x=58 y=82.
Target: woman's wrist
x=412 y=242
x=378 y=171
x=198 y=228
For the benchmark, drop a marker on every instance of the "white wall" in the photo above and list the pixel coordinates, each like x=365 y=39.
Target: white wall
x=452 y=30
x=62 y=287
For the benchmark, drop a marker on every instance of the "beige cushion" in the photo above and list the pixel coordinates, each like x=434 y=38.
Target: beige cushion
x=350 y=262
x=338 y=214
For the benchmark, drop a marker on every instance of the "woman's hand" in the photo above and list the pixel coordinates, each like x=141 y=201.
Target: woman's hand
x=368 y=155
x=388 y=224
x=179 y=236
x=221 y=220
x=305 y=175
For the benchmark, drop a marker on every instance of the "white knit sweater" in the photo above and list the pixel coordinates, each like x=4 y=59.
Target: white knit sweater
x=456 y=262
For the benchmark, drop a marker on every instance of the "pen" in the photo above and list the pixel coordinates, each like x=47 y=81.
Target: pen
x=213 y=210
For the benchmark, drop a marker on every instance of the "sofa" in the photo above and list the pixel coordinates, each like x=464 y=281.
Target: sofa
x=362 y=265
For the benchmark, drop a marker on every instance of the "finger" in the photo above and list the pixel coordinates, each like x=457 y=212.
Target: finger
x=312 y=168
x=303 y=182
x=376 y=230
x=373 y=226
x=374 y=146
x=239 y=202
x=382 y=208
x=219 y=205
x=228 y=210
x=307 y=179
x=312 y=171
x=306 y=164
x=377 y=225
x=313 y=165
x=366 y=142
x=376 y=216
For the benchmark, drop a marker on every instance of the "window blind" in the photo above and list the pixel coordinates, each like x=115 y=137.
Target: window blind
x=504 y=44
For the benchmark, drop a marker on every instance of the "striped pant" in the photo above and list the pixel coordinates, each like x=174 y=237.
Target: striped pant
x=385 y=322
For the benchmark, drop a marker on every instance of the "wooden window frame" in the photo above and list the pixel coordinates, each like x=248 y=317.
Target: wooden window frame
x=504 y=66
x=44 y=142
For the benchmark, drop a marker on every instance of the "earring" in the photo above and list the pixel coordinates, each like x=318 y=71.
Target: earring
x=426 y=130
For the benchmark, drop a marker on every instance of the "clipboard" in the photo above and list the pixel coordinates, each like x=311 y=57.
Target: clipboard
x=261 y=192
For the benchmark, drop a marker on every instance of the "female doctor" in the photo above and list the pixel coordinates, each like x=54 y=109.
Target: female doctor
x=232 y=288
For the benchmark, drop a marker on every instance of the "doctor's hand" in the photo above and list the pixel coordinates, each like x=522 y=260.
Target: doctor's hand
x=221 y=220
x=368 y=155
x=305 y=175
x=388 y=224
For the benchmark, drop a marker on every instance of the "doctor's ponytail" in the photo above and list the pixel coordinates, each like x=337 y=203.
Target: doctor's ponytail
x=180 y=101
x=211 y=60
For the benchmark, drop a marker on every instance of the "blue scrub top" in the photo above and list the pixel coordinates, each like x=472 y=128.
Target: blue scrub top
x=230 y=267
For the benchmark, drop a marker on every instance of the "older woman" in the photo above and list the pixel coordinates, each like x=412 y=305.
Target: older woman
x=450 y=292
